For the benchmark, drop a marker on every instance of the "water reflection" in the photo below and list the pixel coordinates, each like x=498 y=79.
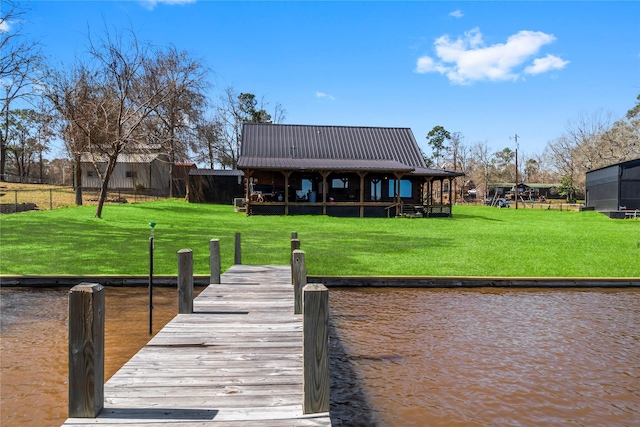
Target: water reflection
x=494 y=357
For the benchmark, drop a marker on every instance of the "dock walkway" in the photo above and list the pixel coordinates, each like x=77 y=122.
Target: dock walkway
x=236 y=361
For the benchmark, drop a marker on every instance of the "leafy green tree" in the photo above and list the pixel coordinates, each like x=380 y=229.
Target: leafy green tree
x=437 y=139
x=568 y=189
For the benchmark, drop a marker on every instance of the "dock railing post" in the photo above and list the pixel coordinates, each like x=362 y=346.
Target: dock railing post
x=86 y=350
x=237 y=259
x=185 y=281
x=295 y=244
x=299 y=278
x=214 y=260
x=315 y=351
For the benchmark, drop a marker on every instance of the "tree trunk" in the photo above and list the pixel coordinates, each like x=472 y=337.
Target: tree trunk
x=105 y=184
x=78 y=180
x=3 y=144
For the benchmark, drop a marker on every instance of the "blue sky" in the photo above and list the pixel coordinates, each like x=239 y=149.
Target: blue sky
x=486 y=69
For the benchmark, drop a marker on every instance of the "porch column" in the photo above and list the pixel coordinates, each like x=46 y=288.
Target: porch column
x=286 y=191
x=450 y=193
x=441 y=191
x=397 y=187
x=247 y=194
x=362 y=174
x=324 y=175
x=427 y=200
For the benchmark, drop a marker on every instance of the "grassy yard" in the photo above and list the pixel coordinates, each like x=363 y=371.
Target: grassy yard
x=477 y=241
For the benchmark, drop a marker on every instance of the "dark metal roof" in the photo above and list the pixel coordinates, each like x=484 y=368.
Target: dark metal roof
x=280 y=163
x=351 y=146
x=216 y=172
x=626 y=163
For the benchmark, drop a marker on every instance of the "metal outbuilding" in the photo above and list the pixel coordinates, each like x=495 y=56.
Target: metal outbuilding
x=614 y=188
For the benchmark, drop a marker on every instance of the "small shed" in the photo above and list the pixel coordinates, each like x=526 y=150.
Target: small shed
x=134 y=172
x=215 y=185
x=614 y=188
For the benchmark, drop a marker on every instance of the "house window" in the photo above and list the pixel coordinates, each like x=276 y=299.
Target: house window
x=376 y=189
x=340 y=183
x=406 y=189
x=131 y=174
x=89 y=173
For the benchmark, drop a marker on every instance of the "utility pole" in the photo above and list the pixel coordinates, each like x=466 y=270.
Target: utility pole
x=516 y=185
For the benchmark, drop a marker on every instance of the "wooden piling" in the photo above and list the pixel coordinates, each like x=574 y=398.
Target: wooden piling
x=86 y=350
x=214 y=260
x=185 y=281
x=295 y=244
x=299 y=279
x=315 y=352
x=237 y=259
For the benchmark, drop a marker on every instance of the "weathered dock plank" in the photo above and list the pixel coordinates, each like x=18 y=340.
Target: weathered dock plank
x=236 y=361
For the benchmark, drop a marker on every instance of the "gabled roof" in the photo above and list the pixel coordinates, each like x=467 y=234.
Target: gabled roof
x=311 y=147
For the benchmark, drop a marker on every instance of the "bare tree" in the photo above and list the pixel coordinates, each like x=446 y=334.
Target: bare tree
x=107 y=103
x=19 y=60
x=205 y=142
x=73 y=95
x=482 y=156
x=180 y=82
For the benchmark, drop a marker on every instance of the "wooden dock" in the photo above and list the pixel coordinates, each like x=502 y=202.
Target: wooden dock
x=236 y=361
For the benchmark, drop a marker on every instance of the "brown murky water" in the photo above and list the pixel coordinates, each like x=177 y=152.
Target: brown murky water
x=423 y=357
x=494 y=357
x=34 y=353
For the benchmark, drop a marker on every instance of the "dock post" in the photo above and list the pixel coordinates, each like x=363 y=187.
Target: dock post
x=237 y=259
x=299 y=279
x=214 y=260
x=295 y=244
x=86 y=350
x=315 y=351
x=185 y=281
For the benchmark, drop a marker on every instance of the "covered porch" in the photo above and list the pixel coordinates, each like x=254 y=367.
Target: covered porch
x=381 y=192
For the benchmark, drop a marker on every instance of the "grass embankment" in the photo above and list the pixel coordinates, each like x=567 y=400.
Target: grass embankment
x=477 y=241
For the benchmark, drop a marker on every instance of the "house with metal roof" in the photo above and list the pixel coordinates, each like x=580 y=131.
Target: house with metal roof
x=339 y=171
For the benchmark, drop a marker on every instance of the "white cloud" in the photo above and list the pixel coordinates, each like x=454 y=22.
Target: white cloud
x=324 y=95
x=4 y=27
x=548 y=63
x=467 y=59
x=457 y=13
x=151 y=4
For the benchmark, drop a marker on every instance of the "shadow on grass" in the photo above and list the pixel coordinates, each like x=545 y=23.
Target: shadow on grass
x=348 y=402
x=481 y=217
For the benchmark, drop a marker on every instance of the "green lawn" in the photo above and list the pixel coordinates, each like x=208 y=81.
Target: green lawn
x=477 y=241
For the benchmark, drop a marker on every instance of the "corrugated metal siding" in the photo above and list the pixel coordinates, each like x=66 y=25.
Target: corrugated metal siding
x=330 y=142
